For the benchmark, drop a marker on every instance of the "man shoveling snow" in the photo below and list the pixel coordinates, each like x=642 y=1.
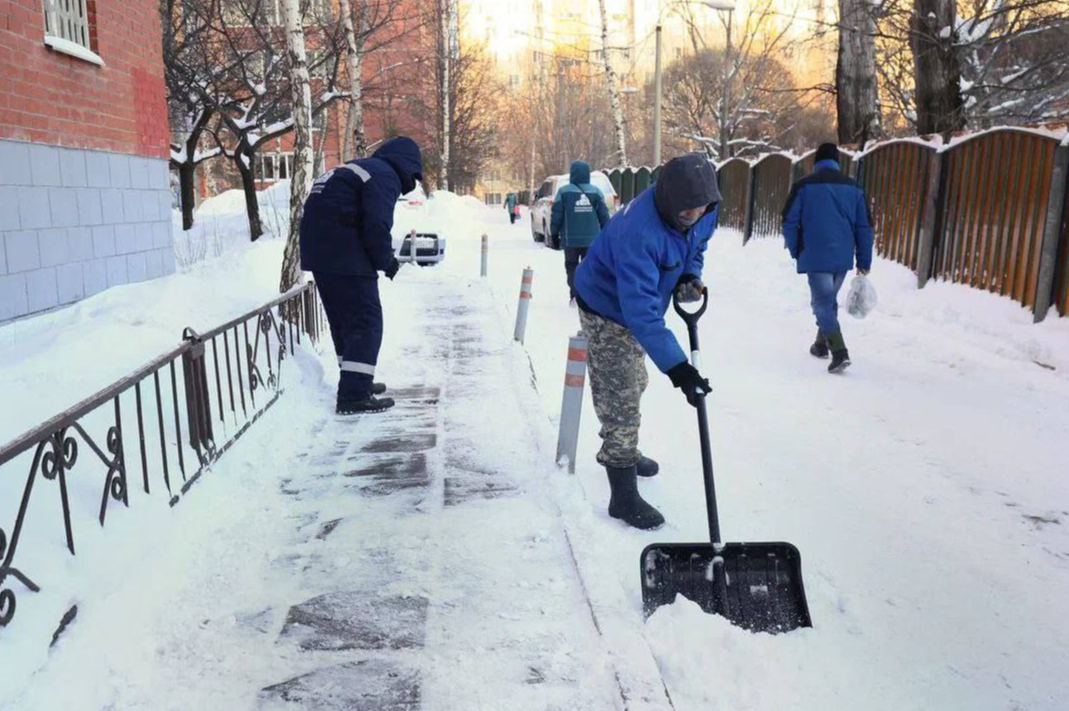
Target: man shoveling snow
x=654 y=247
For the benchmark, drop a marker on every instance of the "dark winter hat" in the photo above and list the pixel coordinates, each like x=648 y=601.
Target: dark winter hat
x=827 y=151
x=686 y=182
x=403 y=154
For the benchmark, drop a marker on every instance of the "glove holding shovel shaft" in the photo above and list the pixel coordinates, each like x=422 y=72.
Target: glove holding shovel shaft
x=687 y=378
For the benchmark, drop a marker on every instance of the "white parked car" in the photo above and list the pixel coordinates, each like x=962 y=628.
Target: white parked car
x=542 y=203
x=410 y=219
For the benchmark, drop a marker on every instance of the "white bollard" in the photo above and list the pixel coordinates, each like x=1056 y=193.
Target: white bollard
x=571 y=408
x=525 y=302
x=412 y=246
x=486 y=252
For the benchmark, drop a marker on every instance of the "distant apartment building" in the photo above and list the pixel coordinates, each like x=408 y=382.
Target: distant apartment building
x=85 y=202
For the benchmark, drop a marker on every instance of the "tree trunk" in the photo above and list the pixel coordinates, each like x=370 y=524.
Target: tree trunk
x=937 y=71
x=303 y=155
x=186 y=173
x=446 y=61
x=856 y=91
x=243 y=160
x=354 y=137
x=614 y=89
x=726 y=128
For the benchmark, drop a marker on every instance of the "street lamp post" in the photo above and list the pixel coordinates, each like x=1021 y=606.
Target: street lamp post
x=725 y=5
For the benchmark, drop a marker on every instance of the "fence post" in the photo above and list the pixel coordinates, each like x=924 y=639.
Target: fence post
x=525 y=302
x=571 y=408
x=198 y=400
x=486 y=251
x=1048 y=255
x=751 y=191
x=931 y=222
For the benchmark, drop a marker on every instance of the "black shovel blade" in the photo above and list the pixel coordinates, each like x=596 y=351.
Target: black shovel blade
x=756 y=586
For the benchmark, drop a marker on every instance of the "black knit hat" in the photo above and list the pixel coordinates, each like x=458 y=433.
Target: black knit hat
x=686 y=182
x=827 y=151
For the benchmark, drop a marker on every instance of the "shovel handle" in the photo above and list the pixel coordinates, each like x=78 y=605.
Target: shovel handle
x=691 y=319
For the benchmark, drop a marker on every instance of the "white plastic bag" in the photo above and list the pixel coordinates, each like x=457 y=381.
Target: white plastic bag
x=861 y=299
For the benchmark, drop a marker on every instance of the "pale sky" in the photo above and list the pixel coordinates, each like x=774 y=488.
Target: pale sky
x=514 y=29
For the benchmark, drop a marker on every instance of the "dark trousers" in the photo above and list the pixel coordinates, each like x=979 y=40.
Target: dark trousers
x=572 y=257
x=354 y=313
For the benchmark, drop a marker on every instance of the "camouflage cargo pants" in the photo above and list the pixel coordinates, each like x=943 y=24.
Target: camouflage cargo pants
x=616 y=364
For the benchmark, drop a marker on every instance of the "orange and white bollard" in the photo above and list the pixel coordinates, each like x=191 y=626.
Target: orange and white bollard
x=571 y=409
x=525 y=302
x=486 y=253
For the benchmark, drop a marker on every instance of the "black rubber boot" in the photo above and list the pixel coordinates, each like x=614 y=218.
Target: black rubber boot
x=819 y=348
x=378 y=388
x=647 y=467
x=625 y=503
x=369 y=404
x=840 y=357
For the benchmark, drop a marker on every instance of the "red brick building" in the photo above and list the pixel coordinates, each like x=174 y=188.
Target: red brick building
x=85 y=202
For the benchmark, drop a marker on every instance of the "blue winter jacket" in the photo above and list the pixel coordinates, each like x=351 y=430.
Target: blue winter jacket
x=826 y=222
x=633 y=267
x=345 y=228
x=579 y=210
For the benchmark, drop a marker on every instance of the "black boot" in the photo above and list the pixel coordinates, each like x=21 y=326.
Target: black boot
x=368 y=404
x=378 y=388
x=840 y=357
x=646 y=467
x=819 y=347
x=626 y=504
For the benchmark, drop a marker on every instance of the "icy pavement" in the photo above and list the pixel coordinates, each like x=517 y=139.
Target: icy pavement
x=414 y=559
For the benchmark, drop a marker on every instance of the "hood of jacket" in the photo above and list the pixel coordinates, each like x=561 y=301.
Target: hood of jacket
x=686 y=182
x=580 y=173
x=405 y=158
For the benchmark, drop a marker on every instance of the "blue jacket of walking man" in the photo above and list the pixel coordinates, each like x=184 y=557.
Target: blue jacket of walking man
x=579 y=213
x=345 y=243
x=826 y=223
x=650 y=250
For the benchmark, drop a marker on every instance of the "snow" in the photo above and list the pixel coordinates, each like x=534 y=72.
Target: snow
x=923 y=489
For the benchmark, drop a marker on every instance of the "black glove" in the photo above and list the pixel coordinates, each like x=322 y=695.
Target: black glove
x=687 y=378
x=689 y=288
x=391 y=271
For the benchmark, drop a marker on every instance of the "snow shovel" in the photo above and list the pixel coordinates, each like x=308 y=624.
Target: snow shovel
x=757 y=586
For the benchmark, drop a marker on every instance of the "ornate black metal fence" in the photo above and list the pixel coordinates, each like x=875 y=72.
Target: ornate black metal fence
x=154 y=424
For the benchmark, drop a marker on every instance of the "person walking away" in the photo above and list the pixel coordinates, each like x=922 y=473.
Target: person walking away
x=579 y=213
x=826 y=223
x=510 y=205
x=651 y=249
x=345 y=242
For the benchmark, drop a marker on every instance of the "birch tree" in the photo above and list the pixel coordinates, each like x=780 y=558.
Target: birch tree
x=618 y=127
x=445 y=59
x=303 y=154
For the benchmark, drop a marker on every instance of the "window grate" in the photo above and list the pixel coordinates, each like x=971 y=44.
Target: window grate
x=68 y=20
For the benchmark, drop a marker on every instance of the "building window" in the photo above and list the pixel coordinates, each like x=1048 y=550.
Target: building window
x=68 y=28
x=275 y=166
x=493 y=198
